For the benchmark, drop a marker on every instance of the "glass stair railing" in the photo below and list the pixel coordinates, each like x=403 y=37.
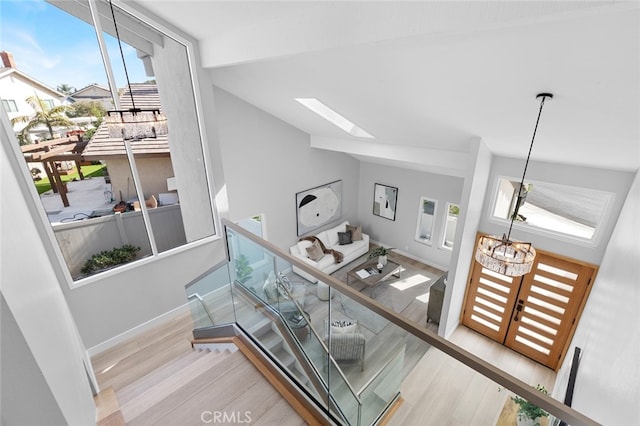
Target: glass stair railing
x=355 y=378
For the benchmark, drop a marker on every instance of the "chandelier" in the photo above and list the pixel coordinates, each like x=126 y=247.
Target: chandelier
x=502 y=254
x=133 y=123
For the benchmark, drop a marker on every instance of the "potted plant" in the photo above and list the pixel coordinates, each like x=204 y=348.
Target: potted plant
x=109 y=258
x=243 y=270
x=530 y=414
x=381 y=252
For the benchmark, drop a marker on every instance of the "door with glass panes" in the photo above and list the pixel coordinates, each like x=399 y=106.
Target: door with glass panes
x=535 y=314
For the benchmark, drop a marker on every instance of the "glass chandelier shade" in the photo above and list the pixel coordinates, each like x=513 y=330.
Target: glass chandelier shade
x=502 y=254
x=135 y=124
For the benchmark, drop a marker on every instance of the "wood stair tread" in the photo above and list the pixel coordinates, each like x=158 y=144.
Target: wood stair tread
x=199 y=368
x=149 y=380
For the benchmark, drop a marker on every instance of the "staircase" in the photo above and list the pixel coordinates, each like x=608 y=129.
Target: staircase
x=200 y=385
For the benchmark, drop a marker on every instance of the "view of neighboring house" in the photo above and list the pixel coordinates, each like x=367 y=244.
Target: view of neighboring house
x=152 y=155
x=94 y=92
x=16 y=87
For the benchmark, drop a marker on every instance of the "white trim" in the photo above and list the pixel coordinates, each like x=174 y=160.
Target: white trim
x=414 y=257
x=135 y=331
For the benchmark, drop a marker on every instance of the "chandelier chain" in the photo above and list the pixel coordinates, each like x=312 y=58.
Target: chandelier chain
x=526 y=164
x=124 y=64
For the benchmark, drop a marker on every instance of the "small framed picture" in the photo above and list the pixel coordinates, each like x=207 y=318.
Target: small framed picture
x=385 y=199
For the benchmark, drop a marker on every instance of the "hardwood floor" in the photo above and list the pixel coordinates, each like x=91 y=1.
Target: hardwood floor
x=442 y=391
x=158 y=379
x=436 y=390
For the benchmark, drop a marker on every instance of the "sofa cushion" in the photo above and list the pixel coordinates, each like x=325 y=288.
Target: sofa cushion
x=302 y=247
x=344 y=238
x=356 y=232
x=332 y=235
x=324 y=237
x=315 y=251
x=344 y=327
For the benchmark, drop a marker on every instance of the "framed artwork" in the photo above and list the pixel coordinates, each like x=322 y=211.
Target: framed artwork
x=384 y=201
x=318 y=206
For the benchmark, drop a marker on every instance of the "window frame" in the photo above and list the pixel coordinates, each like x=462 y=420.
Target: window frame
x=10 y=105
x=609 y=198
x=443 y=246
x=418 y=237
x=191 y=66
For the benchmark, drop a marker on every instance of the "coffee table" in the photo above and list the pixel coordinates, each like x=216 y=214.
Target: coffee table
x=372 y=281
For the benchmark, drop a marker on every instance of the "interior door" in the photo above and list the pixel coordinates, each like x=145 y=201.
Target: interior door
x=534 y=315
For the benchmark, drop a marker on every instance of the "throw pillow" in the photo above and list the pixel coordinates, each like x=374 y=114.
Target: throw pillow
x=344 y=327
x=344 y=238
x=356 y=232
x=315 y=252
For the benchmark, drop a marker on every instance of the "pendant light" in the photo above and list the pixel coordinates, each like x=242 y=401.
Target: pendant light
x=502 y=254
x=133 y=123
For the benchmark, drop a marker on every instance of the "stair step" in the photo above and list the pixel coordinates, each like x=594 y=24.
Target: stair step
x=151 y=379
x=176 y=396
x=162 y=389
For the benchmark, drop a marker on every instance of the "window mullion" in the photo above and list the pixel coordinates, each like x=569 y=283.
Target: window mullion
x=141 y=200
x=95 y=17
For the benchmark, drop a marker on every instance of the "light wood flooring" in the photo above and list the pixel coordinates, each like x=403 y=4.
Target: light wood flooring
x=437 y=389
x=158 y=379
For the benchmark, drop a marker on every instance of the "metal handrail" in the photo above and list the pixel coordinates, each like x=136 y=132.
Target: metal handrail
x=204 y=305
x=547 y=403
x=324 y=347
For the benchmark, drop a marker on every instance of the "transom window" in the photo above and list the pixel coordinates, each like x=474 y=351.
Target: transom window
x=558 y=209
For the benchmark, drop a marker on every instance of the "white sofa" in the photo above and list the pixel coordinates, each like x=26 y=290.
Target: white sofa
x=327 y=264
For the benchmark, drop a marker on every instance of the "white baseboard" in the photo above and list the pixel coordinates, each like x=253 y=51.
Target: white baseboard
x=135 y=331
x=414 y=257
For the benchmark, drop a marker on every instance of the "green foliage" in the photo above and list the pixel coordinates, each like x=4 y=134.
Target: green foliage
x=243 y=270
x=86 y=109
x=454 y=210
x=48 y=117
x=43 y=185
x=66 y=89
x=528 y=410
x=380 y=251
x=108 y=258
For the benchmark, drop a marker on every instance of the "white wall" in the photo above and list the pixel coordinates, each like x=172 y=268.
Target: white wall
x=475 y=185
x=607 y=386
x=23 y=384
x=30 y=286
x=411 y=186
x=267 y=161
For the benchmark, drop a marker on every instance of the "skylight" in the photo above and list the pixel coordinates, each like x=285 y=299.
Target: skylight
x=330 y=115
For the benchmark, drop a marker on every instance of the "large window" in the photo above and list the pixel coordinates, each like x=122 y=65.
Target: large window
x=145 y=196
x=558 y=210
x=450 y=226
x=426 y=220
x=9 y=105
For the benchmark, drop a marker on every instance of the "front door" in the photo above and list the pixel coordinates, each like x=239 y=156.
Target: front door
x=534 y=315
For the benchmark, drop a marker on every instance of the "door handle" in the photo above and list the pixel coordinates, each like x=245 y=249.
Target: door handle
x=518 y=309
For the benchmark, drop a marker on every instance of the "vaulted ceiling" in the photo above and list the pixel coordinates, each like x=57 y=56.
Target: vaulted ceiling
x=431 y=79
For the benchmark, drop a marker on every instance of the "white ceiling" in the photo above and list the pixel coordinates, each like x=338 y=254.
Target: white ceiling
x=427 y=78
